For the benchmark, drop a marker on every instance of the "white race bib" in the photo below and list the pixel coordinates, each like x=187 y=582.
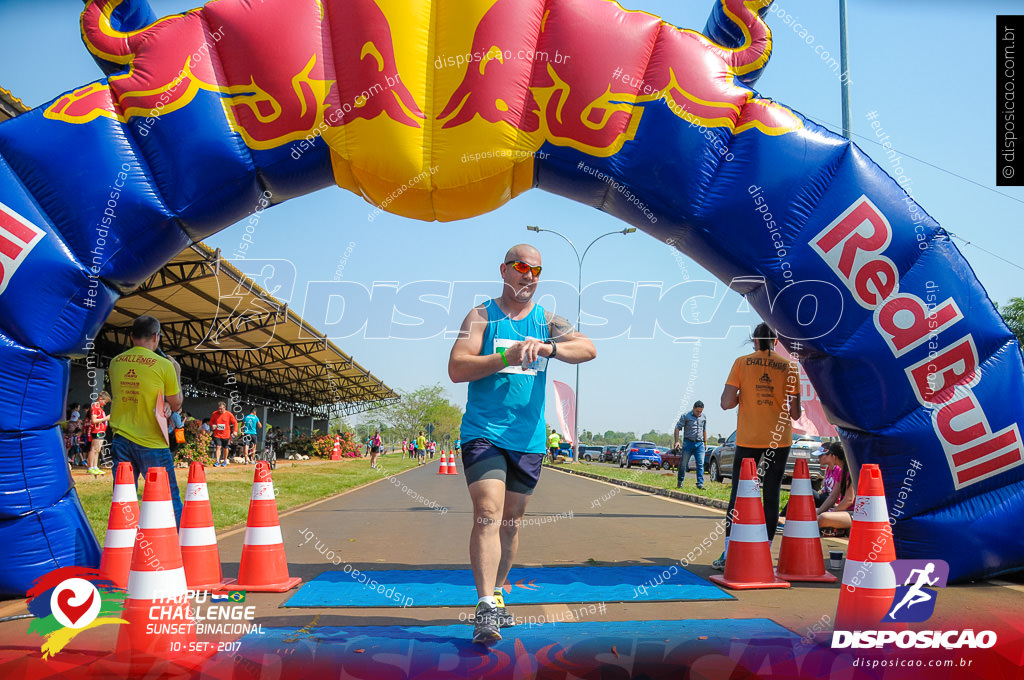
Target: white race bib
x=540 y=364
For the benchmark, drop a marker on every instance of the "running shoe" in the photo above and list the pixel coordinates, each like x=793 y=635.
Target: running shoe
x=719 y=564
x=486 y=629
x=505 y=619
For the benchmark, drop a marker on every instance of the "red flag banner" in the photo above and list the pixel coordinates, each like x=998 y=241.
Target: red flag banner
x=813 y=420
x=565 y=406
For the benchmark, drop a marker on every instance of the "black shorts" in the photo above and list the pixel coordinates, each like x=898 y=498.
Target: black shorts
x=519 y=471
x=99 y=435
x=375 y=449
x=221 y=443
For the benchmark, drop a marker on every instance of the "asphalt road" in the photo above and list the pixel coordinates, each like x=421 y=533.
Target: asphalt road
x=385 y=525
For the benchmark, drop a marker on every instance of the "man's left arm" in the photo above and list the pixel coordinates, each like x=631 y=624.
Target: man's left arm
x=569 y=345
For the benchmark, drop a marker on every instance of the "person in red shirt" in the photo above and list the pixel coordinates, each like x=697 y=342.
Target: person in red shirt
x=98 y=418
x=224 y=426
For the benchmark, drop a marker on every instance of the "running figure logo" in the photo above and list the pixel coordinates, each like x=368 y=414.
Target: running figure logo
x=914 y=601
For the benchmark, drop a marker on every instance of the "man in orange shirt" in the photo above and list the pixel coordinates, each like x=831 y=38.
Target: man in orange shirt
x=766 y=387
x=224 y=426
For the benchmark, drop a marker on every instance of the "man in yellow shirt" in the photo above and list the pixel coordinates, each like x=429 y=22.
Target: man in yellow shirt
x=421 y=449
x=137 y=378
x=553 y=441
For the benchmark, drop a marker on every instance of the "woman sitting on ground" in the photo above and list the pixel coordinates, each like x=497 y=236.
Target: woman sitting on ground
x=832 y=474
x=837 y=510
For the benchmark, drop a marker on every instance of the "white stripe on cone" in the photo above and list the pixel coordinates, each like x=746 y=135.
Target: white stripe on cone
x=874 y=575
x=748 y=488
x=157 y=585
x=125 y=493
x=120 y=538
x=192 y=536
x=197 y=492
x=262 y=491
x=870 y=509
x=797 y=528
x=801 y=487
x=157 y=515
x=749 y=533
x=263 y=535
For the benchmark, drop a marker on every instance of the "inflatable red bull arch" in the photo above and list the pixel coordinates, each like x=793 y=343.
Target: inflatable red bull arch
x=204 y=114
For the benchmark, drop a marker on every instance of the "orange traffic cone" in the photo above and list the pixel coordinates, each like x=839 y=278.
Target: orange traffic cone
x=869 y=582
x=748 y=563
x=452 y=470
x=156 y=607
x=116 y=561
x=336 y=454
x=443 y=470
x=197 y=537
x=800 y=557
x=263 y=567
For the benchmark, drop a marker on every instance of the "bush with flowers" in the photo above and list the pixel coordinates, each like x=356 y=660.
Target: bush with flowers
x=197 y=444
x=321 y=446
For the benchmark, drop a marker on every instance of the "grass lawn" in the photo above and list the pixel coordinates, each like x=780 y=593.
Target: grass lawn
x=296 y=483
x=666 y=479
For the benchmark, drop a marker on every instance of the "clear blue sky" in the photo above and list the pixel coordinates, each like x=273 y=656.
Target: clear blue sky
x=919 y=65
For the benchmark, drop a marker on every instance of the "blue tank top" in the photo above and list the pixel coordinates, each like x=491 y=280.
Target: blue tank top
x=507 y=408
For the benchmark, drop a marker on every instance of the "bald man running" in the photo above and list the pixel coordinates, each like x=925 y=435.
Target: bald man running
x=502 y=352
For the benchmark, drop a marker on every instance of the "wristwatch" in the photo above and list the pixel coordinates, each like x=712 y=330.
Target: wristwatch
x=554 y=348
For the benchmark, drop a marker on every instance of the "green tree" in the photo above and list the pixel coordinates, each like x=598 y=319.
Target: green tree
x=1013 y=315
x=659 y=438
x=427 y=405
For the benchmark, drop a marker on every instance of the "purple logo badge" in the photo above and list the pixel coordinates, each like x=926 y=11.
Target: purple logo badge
x=916 y=580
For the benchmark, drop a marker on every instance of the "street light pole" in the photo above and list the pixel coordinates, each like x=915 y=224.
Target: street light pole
x=579 y=302
x=844 y=77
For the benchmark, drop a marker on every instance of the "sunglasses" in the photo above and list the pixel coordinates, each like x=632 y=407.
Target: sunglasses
x=522 y=267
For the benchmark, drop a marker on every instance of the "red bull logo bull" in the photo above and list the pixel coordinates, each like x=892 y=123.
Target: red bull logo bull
x=270 y=97
x=589 y=95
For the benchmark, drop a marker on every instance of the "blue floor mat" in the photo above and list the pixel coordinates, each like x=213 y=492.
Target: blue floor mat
x=578 y=649
x=531 y=585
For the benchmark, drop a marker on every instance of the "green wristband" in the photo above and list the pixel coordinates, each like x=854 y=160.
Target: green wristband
x=501 y=351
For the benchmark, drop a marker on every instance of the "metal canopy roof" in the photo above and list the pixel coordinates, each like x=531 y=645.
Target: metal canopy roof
x=10 y=106
x=229 y=334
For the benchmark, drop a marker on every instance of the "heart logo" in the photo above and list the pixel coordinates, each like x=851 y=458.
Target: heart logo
x=73 y=612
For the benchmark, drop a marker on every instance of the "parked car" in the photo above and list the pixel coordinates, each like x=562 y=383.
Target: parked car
x=720 y=460
x=620 y=454
x=803 y=446
x=589 y=452
x=670 y=460
x=640 y=453
x=611 y=453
